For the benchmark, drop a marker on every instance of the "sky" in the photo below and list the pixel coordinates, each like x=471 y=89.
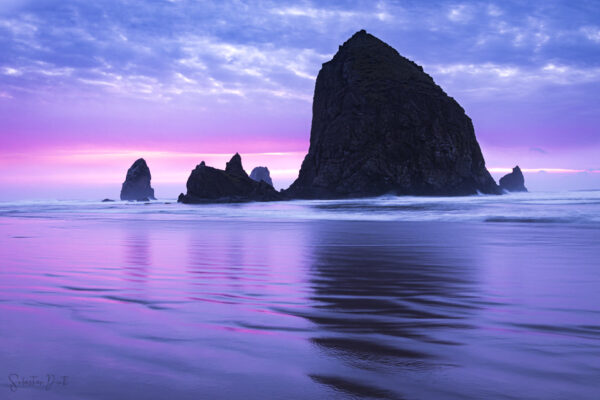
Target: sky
x=87 y=87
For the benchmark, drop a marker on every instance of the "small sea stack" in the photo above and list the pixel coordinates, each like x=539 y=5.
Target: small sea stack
x=381 y=125
x=513 y=182
x=261 y=174
x=137 y=183
x=211 y=185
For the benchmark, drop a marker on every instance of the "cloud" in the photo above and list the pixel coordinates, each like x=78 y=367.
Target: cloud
x=542 y=170
x=12 y=71
x=315 y=13
x=591 y=33
x=511 y=80
x=461 y=13
x=323 y=15
x=25 y=26
x=260 y=62
x=538 y=150
x=494 y=11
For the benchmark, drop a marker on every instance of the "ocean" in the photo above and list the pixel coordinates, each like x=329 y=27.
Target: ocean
x=482 y=297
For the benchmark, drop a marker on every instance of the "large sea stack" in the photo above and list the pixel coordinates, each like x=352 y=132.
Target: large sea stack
x=137 y=183
x=513 y=182
x=381 y=125
x=211 y=185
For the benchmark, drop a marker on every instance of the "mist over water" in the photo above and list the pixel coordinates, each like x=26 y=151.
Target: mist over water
x=490 y=297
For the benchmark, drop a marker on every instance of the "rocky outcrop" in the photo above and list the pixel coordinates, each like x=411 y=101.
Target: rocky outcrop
x=137 y=183
x=234 y=167
x=261 y=174
x=211 y=185
x=381 y=125
x=513 y=182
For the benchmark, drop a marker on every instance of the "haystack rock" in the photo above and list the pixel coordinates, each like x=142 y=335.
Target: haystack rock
x=382 y=126
x=211 y=185
x=513 y=182
x=137 y=183
x=261 y=174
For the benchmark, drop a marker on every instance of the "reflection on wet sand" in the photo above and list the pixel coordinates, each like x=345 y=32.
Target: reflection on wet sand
x=384 y=300
x=136 y=248
x=301 y=309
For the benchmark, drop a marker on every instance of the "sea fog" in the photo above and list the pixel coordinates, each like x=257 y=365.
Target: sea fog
x=490 y=297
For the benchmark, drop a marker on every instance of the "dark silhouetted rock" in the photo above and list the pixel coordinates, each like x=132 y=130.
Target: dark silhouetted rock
x=381 y=125
x=137 y=183
x=513 y=182
x=211 y=185
x=107 y=200
x=261 y=174
x=234 y=167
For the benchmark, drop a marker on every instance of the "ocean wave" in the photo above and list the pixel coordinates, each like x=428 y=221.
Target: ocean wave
x=547 y=208
x=532 y=220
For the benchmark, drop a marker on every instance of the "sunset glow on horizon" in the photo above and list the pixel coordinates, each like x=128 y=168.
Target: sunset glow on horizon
x=105 y=166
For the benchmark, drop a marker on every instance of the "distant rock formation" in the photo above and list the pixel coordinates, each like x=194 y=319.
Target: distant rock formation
x=107 y=200
x=513 y=182
x=210 y=185
x=261 y=174
x=137 y=183
x=381 y=125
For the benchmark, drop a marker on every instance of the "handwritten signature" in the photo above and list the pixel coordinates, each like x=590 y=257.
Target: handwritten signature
x=47 y=382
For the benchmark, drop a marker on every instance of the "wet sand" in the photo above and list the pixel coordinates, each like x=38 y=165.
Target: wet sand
x=146 y=306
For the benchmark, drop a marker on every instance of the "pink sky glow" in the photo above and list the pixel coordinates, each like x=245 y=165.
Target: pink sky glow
x=68 y=172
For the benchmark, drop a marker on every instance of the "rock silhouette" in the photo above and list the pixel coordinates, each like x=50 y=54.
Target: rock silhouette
x=513 y=182
x=209 y=185
x=381 y=125
x=234 y=167
x=261 y=174
x=137 y=183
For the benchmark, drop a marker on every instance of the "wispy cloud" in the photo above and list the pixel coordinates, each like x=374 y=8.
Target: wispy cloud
x=323 y=15
x=538 y=150
x=545 y=170
x=511 y=80
x=460 y=13
x=591 y=33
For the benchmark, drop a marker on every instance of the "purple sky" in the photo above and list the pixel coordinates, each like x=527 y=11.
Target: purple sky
x=87 y=87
